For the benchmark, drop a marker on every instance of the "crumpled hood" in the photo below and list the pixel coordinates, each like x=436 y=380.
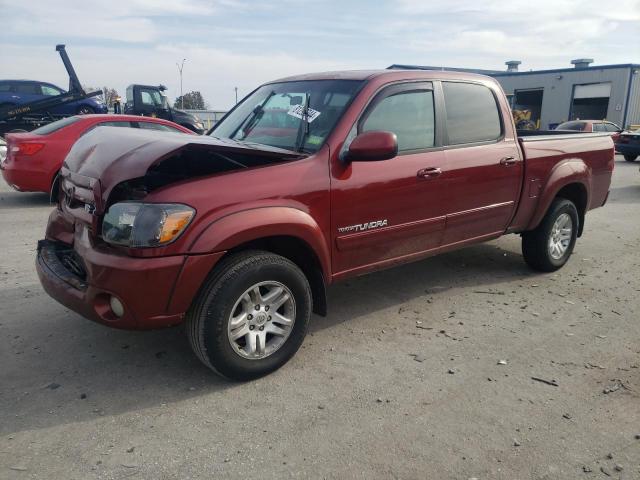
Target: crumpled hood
x=107 y=156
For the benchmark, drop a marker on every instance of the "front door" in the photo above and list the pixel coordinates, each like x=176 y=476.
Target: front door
x=390 y=209
x=149 y=102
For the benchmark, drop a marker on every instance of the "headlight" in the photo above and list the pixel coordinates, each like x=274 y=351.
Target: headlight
x=139 y=225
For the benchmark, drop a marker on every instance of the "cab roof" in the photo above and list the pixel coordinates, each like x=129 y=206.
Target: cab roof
x=396 y=74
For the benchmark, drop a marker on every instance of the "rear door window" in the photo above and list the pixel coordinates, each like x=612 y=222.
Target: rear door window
x=114 y=124
x=472 y=113
x=158 y=126
x=409 y=114
x=599 y=127
x=27 y=88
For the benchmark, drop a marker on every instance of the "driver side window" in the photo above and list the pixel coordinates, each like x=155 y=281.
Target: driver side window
x=410 y=115
x=146 y=98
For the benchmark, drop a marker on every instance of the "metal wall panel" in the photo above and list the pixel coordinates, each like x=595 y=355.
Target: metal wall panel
x=558 y=90
x=633 y=102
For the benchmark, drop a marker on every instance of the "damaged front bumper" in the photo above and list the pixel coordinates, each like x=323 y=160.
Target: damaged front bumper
x=142 y=286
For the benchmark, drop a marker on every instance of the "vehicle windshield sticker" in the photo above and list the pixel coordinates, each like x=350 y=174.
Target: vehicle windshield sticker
x=298 y=110
x=314 y=140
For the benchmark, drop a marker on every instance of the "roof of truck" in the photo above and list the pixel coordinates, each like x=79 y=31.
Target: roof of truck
x=369 y=74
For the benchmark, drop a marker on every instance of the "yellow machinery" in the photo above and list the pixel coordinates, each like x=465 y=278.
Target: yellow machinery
x=522 y=117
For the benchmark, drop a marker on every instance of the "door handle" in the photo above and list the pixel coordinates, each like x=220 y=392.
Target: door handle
x=508 y=161
x=429 y=172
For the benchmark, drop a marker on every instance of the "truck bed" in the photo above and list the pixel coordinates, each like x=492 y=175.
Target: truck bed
x=552 y=155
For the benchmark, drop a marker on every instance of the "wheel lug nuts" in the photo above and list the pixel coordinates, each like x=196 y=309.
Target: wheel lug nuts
x=269 y=317
x=257 y=307
x=266 y=308
x=251 y=327
x=249 y=317
x=261 y=328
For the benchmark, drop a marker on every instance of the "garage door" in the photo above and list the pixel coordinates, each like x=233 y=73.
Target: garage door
x=595 y=90
x=590 y=102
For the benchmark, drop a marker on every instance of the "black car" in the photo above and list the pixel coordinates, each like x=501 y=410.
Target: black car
x=628 y=144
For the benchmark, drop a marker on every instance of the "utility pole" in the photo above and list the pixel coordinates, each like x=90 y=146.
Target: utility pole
x=180 y=67
x=236 y=89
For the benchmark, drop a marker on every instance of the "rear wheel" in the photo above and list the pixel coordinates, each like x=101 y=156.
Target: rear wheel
x=251 y=316
x=630 y=158
x=548 y=247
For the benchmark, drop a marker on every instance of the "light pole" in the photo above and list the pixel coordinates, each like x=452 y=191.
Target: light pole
x=180 y=67
x=236 y=89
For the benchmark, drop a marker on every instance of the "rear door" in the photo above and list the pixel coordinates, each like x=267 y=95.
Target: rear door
x=484 y=168
x=390 y=209
x=25 y=92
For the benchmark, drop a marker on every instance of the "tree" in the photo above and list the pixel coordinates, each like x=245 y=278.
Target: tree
x=108 y=96
x=192 y=101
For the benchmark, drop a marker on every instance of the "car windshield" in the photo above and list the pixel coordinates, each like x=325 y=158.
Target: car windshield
x=274 y=114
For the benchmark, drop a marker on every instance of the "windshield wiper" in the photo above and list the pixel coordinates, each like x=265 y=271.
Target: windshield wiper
x=247 y=124
x=303 y=128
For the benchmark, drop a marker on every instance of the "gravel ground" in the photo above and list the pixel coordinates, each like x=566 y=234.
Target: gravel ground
x=424 y=371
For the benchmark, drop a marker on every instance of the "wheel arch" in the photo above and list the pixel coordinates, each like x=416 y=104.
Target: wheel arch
x=285 y=231
x=300 y=253
x=570 y=180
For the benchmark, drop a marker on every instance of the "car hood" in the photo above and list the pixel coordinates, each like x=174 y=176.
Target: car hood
x=108 y=156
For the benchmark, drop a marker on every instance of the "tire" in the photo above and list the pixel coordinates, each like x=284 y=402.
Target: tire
x=536 y=244
x=54 y=192
x=85 y=110
x=630 y=158
x=229 y=294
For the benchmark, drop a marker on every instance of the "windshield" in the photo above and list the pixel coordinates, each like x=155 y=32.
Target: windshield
x=274 y=114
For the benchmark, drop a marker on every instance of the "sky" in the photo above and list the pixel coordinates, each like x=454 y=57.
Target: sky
x=238 y=43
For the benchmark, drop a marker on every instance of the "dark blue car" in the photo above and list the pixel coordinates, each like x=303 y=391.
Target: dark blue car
x=628 y=144
x=19 y=92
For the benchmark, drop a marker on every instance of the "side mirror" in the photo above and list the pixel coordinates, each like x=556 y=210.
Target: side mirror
x=372 y=147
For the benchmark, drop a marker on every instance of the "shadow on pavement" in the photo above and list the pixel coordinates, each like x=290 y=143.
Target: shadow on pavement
x=67 y=369
x=15 y=199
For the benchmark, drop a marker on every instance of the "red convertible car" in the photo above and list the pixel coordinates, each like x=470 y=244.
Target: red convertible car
x=33 y=159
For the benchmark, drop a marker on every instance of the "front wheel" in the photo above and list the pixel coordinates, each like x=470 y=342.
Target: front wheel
x=549 y=246
x=251 y=316
x=630 y=158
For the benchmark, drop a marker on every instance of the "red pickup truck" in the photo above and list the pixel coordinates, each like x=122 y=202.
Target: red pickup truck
x=309 y=180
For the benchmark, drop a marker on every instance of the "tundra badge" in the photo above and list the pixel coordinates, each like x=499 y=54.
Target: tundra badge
x=361 y=227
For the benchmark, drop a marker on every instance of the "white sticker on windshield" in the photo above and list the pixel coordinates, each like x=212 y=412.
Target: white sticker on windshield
x=298 y=111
